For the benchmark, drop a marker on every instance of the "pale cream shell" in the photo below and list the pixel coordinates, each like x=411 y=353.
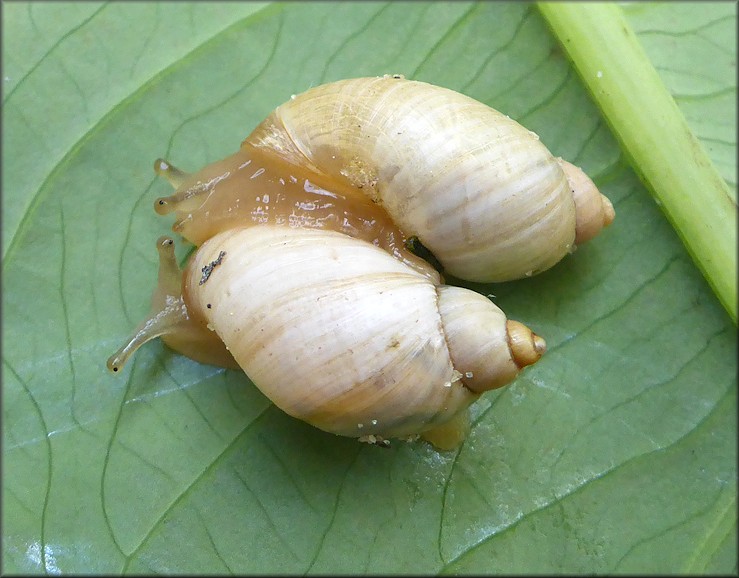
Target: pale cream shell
x=334 y=330
x=478 y=189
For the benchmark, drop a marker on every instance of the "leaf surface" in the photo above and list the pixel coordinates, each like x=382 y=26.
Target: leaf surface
x=615 y=453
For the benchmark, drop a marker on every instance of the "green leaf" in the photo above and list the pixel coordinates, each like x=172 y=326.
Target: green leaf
x=615 y=453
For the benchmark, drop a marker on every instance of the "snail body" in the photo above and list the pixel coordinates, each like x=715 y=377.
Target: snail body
x=304 y=276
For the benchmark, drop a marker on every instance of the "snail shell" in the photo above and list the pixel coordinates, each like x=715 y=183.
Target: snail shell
x=480 y=191
x=344 y=336
x=305 y=278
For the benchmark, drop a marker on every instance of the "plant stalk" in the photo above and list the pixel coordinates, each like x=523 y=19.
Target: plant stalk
x=654 y=134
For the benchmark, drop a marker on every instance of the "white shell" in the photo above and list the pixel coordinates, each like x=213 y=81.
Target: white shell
x=478 y=189
x=340 y=334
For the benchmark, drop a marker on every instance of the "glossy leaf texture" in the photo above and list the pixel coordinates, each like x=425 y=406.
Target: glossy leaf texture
x=616 y=453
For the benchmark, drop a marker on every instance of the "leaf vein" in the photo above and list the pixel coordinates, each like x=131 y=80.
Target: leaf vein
x=186 y=491
x=581 y=487
x=439 y=43
x=51 y=49
x=49 y=463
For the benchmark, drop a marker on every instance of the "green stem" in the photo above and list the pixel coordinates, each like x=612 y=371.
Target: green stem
x=654 y=134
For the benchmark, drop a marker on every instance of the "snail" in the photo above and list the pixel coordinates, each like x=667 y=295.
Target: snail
x=305 y=274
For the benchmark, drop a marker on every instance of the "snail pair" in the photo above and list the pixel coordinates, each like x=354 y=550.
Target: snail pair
x=305 y=277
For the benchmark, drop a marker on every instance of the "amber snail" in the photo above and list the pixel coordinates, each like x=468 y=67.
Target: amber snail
x=305 y=277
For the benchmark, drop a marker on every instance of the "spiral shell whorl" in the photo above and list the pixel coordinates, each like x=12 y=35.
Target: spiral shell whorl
x=487 y=349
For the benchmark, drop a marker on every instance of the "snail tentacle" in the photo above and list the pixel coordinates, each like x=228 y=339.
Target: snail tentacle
x=170 y=319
